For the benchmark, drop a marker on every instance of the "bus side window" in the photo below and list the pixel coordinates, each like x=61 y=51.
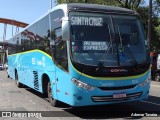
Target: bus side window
x=61 y=54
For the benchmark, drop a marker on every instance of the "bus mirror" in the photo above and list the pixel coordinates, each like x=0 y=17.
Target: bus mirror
x=65 y=29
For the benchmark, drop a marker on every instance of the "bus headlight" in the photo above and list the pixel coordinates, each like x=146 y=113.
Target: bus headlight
x=146 y=82
x=82 y=85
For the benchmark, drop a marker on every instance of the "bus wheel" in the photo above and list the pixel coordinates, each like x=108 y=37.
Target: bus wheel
x=19 y=85
x=51 y=99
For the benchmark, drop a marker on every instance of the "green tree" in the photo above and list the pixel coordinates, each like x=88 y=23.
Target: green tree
x=156 y=7
x=158 y=30
x=106 y=2
x=131 y=4
x=155 y=41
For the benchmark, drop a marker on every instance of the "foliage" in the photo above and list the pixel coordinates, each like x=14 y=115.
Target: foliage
x=158 y=30
x=106 y=2
x=156 y=7
x=131 y=4
x=155 y=42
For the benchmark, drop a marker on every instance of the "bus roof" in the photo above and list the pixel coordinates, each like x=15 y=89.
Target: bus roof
x=93 y=7
x=98 y=7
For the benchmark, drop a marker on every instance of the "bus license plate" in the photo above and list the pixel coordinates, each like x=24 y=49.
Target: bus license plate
x=120 y=95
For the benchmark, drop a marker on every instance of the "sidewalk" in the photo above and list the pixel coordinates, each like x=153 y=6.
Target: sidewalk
x=155 y=83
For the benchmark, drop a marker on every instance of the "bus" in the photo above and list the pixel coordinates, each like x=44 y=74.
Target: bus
x=83 y=55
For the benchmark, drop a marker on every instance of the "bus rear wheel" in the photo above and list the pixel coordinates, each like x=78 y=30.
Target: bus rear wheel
x=19 y=85
x=51 y=99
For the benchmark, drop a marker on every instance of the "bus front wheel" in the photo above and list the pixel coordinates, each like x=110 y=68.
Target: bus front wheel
x=51 y=99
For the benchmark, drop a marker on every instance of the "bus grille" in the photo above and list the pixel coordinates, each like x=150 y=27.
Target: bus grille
x=36 y=86
x=110 y=98
x=117 y=88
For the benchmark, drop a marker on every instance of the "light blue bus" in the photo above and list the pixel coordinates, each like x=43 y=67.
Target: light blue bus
x=83 y=54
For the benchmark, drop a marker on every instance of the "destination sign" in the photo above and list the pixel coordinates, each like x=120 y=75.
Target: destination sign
x=88 y=21
x=94 y=45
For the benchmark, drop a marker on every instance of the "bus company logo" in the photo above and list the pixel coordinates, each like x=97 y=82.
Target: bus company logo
x=118 y=70
x=6 y=114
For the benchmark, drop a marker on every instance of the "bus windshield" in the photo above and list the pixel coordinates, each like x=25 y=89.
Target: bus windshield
x=115 y=40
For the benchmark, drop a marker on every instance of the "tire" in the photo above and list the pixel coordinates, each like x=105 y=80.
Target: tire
x=51 y=99
x=19 y=85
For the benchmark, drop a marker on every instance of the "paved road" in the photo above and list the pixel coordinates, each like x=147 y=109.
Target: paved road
x=27 y=100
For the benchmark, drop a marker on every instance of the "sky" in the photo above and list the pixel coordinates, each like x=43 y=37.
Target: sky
x=147 y=2
x=22 y=10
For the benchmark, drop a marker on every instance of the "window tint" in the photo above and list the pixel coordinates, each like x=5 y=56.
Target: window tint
x=37 y=36
x=14 y=45
x=43 y=34
x=59 y=46
x=61 y=55
x=56 y=23
x=28 y=38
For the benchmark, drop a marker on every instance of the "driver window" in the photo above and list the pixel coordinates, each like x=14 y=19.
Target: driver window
x=61 y=55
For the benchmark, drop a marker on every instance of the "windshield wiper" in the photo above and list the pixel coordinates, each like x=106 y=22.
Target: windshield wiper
x=132 y=57
x=101 y=62
x=120 y=37
x=128 y=50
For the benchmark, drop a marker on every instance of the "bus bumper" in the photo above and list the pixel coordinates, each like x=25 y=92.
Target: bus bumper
x=102 y=97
